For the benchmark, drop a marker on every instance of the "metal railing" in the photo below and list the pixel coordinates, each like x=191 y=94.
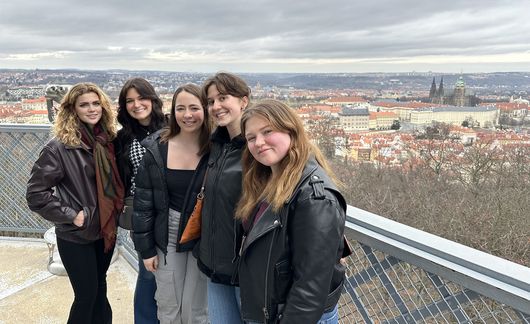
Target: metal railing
x=397 y=274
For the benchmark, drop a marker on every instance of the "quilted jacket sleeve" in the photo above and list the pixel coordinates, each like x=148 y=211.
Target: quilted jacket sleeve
x=143 y=219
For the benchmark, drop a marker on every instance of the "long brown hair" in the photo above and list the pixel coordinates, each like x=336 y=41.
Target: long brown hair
x=67 y=123
x=258 y=181
x=227 y=84
x=130 y=126
x=173 y=129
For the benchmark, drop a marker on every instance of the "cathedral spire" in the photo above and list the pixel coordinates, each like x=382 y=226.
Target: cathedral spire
x=441 y=88
x=432 y=92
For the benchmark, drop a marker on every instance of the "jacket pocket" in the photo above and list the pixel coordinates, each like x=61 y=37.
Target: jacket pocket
x=88 y=218
x=71 y=227
x=333 y=297
x=282 y=280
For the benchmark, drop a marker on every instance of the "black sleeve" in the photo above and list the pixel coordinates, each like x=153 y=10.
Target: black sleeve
x=143 y=220
x=316 y=228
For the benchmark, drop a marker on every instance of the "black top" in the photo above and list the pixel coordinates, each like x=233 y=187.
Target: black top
x=178 y=182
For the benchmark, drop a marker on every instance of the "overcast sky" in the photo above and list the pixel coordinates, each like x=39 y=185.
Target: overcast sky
x=267 y=36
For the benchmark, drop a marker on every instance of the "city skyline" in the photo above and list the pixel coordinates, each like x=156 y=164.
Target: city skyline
x=267 y=36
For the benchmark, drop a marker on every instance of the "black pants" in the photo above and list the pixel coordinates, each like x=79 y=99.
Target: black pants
x=87 y=265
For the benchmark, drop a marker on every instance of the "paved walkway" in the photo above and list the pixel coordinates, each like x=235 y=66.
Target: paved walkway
x=30 y=294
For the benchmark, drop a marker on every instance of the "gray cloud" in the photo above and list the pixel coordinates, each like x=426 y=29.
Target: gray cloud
x=276 y=36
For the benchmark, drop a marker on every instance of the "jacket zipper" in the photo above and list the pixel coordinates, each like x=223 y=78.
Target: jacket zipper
x=266 y=306
x=164 y=249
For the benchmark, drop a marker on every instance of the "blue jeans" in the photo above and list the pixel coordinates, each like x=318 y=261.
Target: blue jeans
x=331 y=317
x=224 y=304
x=144 y=296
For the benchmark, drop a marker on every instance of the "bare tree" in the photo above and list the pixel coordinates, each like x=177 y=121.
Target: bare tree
x=324 y=131
x=436 y=146
x=476 y=164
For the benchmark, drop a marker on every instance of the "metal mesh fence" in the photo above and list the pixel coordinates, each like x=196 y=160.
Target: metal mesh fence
x=382 y=289
x=19 y=148
x=379 y=288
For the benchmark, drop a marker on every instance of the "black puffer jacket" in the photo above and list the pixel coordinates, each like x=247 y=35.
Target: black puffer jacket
x=289 y=268
x=151 y=202
x=220 y=232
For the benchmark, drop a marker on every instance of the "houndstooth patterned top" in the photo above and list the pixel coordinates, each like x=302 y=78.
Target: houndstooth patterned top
x=136 y=153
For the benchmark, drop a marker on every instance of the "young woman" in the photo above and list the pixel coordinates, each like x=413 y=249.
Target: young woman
x=293 y=218
x=140 y=114
x=167 y=183
x=227 y=95
x=80 y=163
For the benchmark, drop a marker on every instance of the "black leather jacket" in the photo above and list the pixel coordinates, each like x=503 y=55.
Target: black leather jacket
x=151 y=202
x=71 y=171
x=289 y=268
x=220 y=232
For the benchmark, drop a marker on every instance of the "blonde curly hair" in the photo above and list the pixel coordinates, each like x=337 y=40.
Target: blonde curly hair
x=67 y=123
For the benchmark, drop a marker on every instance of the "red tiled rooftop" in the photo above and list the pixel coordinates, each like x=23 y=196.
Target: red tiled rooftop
x=346 y=99
x=38 y=100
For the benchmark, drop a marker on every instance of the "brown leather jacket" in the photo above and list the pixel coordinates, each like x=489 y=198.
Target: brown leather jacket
x=71 y=171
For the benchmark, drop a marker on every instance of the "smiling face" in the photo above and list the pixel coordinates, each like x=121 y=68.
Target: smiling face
x=88 y=108
x=266 y=145
x=138 y=107
x=189 y=113
x=226 y=109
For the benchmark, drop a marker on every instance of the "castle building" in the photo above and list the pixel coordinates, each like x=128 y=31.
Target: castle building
x=352 y=120
x=457 y=98
x=482 y=116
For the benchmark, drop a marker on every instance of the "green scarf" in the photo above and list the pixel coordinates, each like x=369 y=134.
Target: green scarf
x=110 y=189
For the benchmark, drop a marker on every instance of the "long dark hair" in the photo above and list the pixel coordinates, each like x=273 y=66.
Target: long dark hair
x=173 y=128
x=131 y=126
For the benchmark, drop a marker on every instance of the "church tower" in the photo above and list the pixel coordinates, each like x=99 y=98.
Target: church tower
x=440 y=93
x=432 y=92
x=441 y=88
x=460 y=92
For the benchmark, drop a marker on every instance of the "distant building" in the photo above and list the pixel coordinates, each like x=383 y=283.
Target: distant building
x=34 y=104
x=402 y=109
x=361 y=154
x=467 y=136
x=382 y=120
x=457 y=98
x=352 y=101
x=352 y=120
x=513 y=109
x=34 y=117
x=19 y=93
x=482 y=116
